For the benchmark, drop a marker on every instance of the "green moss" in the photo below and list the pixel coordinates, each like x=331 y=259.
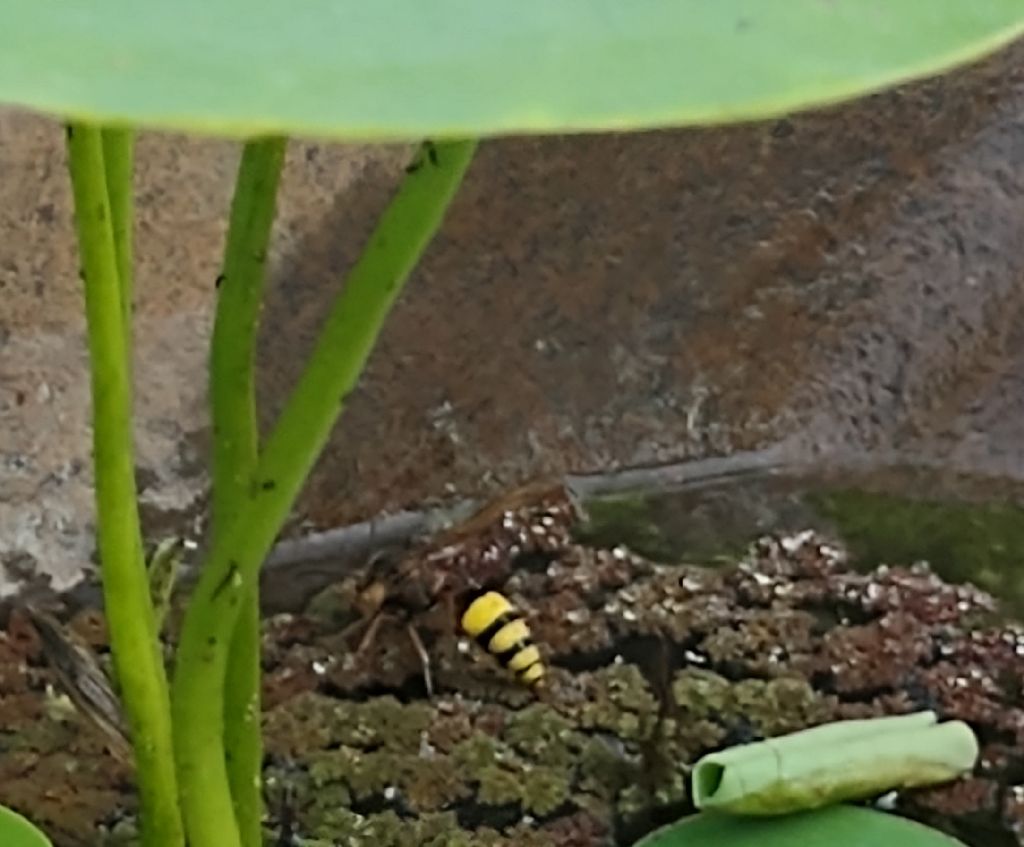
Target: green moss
x=605 y=745
x=625 y=519
x=370 y=774
x=387 y=829
x=543 y=736
x=329 y=775
x=701 y=693
x=329 y=766
x=477 y=752
x=671 y=788
x=605 y=767
x=633 y=800
x=382 y=721
x=980 y=542
x=538 y=790
x=622 y=703
x=312 y=721
x=771 y=707
x=544 y=789
x=788 y=704
x=969 y=529
x=462 y=838
x=499 y=785
x=431 y=784
x=425 y=784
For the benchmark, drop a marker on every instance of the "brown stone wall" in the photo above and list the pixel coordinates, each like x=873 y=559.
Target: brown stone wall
x=848 y=278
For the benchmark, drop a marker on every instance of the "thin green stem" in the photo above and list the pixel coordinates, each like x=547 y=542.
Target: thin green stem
x=119 y=166
x=137 y=659
x=235 y=446
x=243 y=739
x=332 y=372
x=119 y=162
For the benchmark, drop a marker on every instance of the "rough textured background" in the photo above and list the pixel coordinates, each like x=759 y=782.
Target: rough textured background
x=848 y=277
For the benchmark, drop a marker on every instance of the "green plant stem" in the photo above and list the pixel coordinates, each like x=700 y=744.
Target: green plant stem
x=289 y=453
x=235 y=446
x=137 y=658
x=119 y=166
x=119 y=163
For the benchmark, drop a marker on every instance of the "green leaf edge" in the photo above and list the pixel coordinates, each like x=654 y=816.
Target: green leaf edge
x=10 y=818
x=806 y=98
x=902 y=826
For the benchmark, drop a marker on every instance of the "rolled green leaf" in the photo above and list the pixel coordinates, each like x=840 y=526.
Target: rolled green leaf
x=846 y=760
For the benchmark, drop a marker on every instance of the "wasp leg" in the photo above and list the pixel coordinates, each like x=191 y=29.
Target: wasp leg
x=448 y=598
x=446 y=648
x=346 y=632
x=371 y=632
x=452 y=625
x=417 y=644
x=369 y=626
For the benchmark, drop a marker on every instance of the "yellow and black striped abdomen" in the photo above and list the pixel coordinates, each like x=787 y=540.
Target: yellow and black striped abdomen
x=500 y=629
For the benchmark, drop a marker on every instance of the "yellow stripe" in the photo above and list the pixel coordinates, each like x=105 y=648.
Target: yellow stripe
x=533 y=674
x=483 y=611
x=524 y=658
x=510 y=635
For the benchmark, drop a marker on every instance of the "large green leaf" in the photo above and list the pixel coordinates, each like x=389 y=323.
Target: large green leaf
x=835 y=826
x=15 y=831
x=441 y=68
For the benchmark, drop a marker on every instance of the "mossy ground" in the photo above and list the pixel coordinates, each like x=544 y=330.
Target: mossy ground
x=651 y=666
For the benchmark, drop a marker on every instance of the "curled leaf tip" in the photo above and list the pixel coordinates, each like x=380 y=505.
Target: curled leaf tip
x=845 y=760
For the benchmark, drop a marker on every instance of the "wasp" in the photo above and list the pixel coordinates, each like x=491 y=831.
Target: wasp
x=499 y=628
x=464 y=568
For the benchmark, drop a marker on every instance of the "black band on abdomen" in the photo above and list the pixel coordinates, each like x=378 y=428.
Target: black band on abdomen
x=484 y=638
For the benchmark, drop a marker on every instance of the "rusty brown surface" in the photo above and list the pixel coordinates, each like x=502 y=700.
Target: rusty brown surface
x=848 y=277
x=843 y=278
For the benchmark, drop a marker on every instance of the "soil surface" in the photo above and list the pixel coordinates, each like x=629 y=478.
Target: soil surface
x=651 y=665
